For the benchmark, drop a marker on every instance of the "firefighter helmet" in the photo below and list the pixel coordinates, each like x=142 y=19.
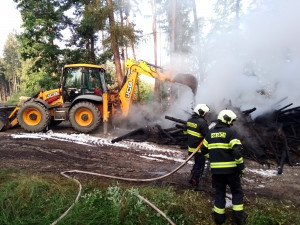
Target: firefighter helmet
x=201 y=109
x=227 y=116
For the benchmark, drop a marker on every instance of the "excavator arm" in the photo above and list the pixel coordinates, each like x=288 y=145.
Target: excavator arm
x=126 y=93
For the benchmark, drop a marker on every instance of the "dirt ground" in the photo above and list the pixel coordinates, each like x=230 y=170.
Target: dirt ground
x=55 y=155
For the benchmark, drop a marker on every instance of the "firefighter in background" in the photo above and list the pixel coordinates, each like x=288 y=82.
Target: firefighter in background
x=196 y=129
x=226 y=163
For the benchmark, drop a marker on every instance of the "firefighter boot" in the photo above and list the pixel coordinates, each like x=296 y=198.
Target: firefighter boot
x=219 y=218
x=193 y=182
x=242 y=219
x=198 y=188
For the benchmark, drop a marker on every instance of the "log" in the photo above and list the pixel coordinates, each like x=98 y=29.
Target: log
x=176 y=131
x=166 y=133
x=130 y=134
x=175 y=119
x=247 y=112
x=180 y=126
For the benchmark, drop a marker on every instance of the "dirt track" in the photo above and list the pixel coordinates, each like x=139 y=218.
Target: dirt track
x=132 y=160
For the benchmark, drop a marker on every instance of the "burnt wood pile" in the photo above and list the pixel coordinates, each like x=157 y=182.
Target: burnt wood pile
x=273 y=137
x=167 y=136
x=278 y=135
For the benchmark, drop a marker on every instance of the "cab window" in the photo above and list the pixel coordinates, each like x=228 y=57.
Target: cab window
x=93 y=81
x=73 y=78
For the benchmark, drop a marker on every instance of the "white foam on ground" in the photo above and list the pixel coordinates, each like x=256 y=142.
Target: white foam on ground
x=86 y=139
x=264 y=173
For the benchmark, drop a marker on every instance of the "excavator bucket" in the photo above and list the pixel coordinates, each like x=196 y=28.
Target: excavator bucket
x=188 y=80
x=5 y=111
x=3 y=120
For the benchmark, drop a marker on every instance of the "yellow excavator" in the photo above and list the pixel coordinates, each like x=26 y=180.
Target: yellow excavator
x=83 y=98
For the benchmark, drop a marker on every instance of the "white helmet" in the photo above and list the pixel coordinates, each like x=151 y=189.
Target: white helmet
x=227 y=116
x=201 y=109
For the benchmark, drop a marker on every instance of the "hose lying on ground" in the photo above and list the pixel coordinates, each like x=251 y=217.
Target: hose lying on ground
x=76 y=200
x=132 y=179
x=125 y=179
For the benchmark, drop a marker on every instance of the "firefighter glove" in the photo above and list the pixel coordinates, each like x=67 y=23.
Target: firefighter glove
x=242 y=173
x=241 y=169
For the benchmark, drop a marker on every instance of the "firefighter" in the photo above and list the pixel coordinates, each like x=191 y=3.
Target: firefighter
x=196 y=129
x=226 y=163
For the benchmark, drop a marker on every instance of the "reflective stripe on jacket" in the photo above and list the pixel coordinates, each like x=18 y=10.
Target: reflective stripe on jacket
x=196 y=129
x=223 y=147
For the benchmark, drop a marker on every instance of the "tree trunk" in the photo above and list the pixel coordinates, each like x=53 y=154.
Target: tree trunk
x=114 y=43
x=154 y=31
x=1 y=93
x=93 y=57
x=122 y=49
x=131 y=42
x=196 y=23
x=173 y=28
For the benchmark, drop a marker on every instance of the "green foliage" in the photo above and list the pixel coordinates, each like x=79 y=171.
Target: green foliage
x=269 y=212
x=145 y=90
x=38 y=81
x=10 y=71
x=115 y=206
x=32 y=198
x=183 y=27
x=14 y=98
x=43 y=22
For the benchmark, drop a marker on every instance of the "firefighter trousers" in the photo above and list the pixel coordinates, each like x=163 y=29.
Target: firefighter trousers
x=198 y=167
x=220 y=182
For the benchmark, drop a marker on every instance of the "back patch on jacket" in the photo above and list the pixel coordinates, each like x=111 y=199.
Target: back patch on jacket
x=218 y=135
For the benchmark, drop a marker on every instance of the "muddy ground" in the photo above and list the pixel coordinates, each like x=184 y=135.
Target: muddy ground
x=132 y=160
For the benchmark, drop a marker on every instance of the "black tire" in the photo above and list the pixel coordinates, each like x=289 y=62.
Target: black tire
x=84 y=117
x=33 y=116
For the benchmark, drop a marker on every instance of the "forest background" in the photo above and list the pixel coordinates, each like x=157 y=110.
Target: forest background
x=101 y=32
x=178 y=38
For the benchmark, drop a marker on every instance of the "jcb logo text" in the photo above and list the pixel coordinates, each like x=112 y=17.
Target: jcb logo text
x=129 y=89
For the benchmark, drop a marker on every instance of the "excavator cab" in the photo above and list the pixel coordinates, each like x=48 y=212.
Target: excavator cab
x=82 y=79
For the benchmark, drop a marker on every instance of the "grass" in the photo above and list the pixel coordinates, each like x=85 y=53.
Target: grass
x=33 y=198
x=13 y=99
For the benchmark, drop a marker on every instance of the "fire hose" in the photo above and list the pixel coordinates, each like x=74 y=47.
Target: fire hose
x=125 y=179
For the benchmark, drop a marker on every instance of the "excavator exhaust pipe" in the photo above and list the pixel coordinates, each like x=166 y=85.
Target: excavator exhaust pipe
x=188 y=80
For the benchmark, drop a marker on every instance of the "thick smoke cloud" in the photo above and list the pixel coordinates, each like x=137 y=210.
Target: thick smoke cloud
x=254 y=65
x=258 y=64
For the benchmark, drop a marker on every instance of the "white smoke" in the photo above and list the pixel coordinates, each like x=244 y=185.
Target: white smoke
x=258 y=64
x=254 y=65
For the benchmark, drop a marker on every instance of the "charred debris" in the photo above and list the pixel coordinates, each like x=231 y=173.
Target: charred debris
x=273 y=137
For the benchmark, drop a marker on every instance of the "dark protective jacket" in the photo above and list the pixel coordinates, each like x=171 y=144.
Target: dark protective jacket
x=196 y=129
x=224 y=150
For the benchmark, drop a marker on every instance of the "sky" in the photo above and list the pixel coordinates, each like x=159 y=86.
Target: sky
x=10 y=20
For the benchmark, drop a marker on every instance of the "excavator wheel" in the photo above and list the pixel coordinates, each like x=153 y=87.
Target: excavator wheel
x=33 y=116
x=84 y=117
